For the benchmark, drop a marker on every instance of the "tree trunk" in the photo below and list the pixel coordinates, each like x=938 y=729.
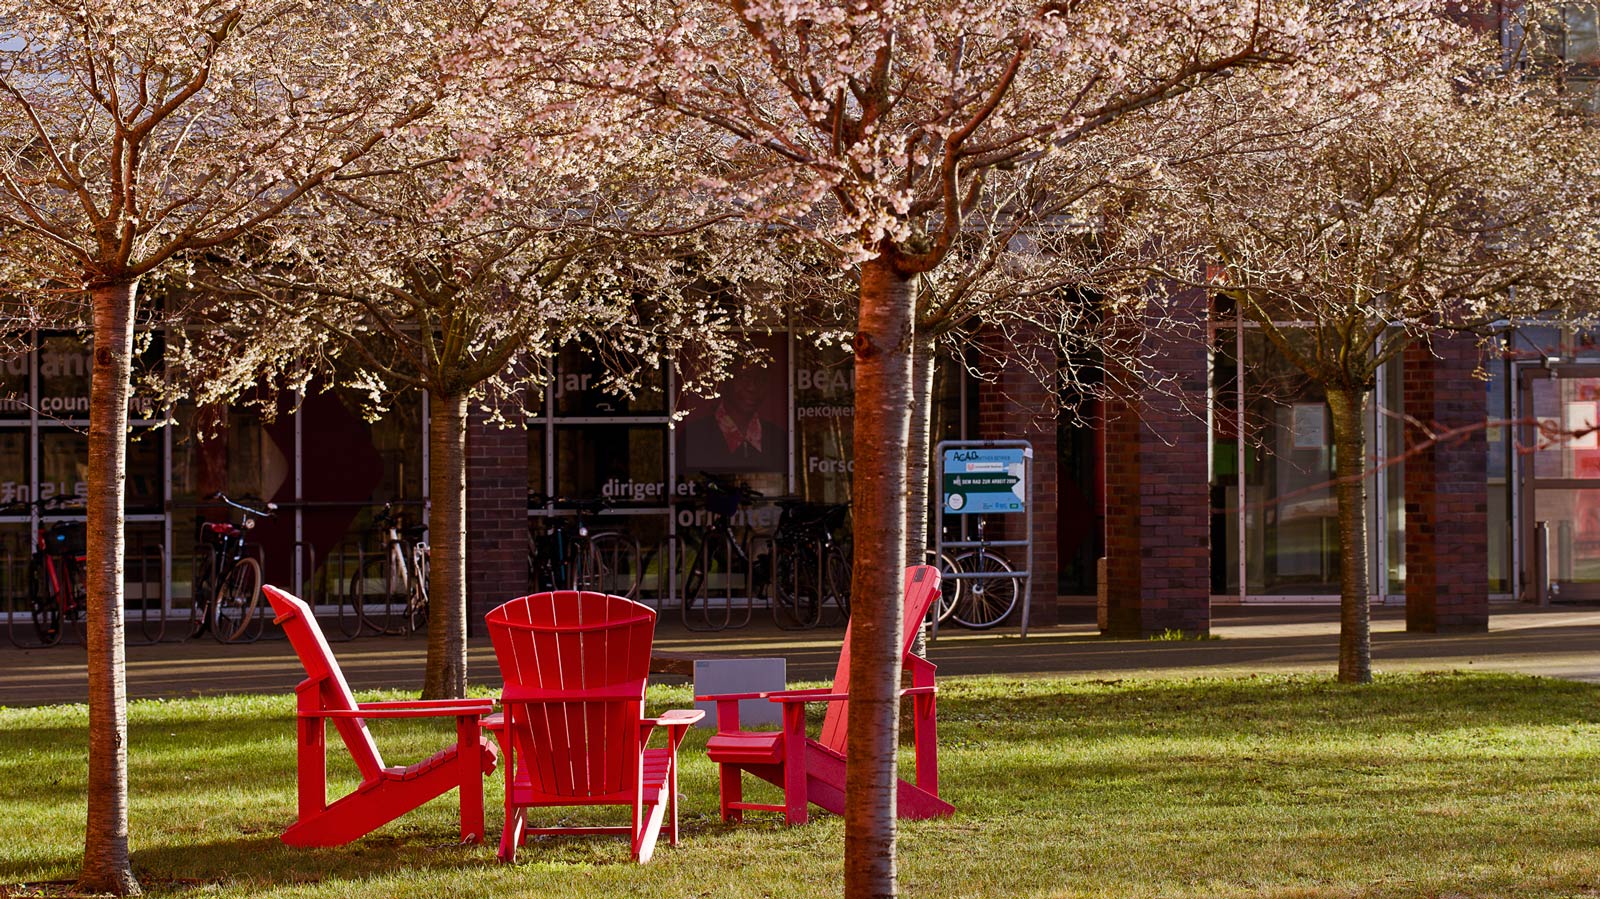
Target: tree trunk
x=882 y=412
x=106 y=867
x=446 y=676
x=917 y=462
x=1350 y=488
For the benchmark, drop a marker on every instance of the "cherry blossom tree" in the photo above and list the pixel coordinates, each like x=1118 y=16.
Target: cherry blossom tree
x=873 y=129
x=135 y=130
x=1362 y=221
x=399 y=276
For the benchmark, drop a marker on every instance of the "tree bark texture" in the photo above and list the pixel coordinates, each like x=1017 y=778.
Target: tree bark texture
x=106 y=865
x=917 y=465
x=883 y=351
x=1350 y=488
x=446 y=674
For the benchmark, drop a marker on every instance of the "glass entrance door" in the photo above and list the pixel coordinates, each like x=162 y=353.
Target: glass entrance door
x=1561 y=481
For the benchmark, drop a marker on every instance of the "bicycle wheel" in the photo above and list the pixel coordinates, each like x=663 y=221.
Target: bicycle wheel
x=202 y=590
x=949 y=587
x=708 y=590
x=662 y=572
x=797 y=603
x=75 y=597
x=605 y=563
x=986 y=600
x=836 y=583
x=42 y=600
x=373 y=597
x=233 y=615
x=417 y=605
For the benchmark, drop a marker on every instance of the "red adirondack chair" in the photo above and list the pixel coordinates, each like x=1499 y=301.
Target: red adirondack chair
x=574 y=730
x=812 y=771
x=385 y=793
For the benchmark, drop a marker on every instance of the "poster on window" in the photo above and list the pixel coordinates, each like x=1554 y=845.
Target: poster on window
x=744 y=429
x=1310 y=425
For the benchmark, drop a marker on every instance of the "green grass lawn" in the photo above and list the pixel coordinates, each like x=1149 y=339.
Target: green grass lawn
x=1281 y=787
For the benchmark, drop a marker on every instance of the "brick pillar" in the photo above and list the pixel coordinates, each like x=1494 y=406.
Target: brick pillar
x=1447 y=502
x=1014 y=405
x=497 y=515
x=1158 y=502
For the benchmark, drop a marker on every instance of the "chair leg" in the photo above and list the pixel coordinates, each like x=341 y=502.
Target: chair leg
x=794 y=764
x=469 y=761
x=732 y=784
x=672 y=801
x=511 y=838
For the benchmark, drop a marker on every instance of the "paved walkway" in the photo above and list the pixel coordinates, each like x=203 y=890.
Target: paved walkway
x=1560 y=642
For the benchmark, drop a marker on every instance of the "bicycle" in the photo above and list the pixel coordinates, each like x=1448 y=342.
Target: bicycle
x=227 y=581
x=809 y=569
x=990 y=592
x=949 y=587
x=402 y=568
x=567 y=556
x=717 y=550
x=57 y=572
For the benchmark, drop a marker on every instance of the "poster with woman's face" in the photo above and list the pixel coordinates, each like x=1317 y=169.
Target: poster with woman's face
x=744 y=429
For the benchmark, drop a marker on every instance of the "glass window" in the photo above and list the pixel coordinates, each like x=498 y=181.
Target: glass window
x=1225 y=462
x=15 y=399
x=1392 y=451
x=15 y=446
x=625 y=463
x=824 y=399
x=1498 y=442
x=580 y=386
x=63 y=467
x=1291 y=518
x=64 y=367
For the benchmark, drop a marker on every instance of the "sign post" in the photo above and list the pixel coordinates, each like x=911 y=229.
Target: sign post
x=987 y=477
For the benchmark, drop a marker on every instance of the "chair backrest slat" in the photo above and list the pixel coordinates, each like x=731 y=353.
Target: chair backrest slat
x=305 y=635
x=922 y=588
x=575 y=664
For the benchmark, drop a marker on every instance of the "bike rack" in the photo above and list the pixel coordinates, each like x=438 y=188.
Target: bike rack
x=728 y=595
x=13 y=581
x=338 y=568
x=156 y=633
x=149 y=560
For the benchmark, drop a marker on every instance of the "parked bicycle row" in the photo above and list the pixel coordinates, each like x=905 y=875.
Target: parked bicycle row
x=718 y=571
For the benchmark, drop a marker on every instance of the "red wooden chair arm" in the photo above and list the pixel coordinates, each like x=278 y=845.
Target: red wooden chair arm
x=803 y=696
x=675 y=718
x=729 y=697
x=810 y=696
x=465 y=706
x=365 y=712
x=676 y=721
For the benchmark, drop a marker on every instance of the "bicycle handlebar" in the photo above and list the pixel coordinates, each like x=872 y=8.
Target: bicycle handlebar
x=219 y=497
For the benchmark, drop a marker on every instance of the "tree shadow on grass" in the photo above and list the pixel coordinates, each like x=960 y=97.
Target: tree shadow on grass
x=262 y=858
x=999 y=709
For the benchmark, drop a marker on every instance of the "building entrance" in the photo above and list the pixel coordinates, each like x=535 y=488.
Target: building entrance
x=1561 y=481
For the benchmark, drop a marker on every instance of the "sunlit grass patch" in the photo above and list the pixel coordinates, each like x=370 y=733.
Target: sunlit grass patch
x=1283 y=786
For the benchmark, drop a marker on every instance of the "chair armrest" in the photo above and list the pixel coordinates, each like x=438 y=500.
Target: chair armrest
x=454 y=706
x=729 y=697
x=675 y=718
x=821 y=695
x=919 y=691
x=364 y=712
